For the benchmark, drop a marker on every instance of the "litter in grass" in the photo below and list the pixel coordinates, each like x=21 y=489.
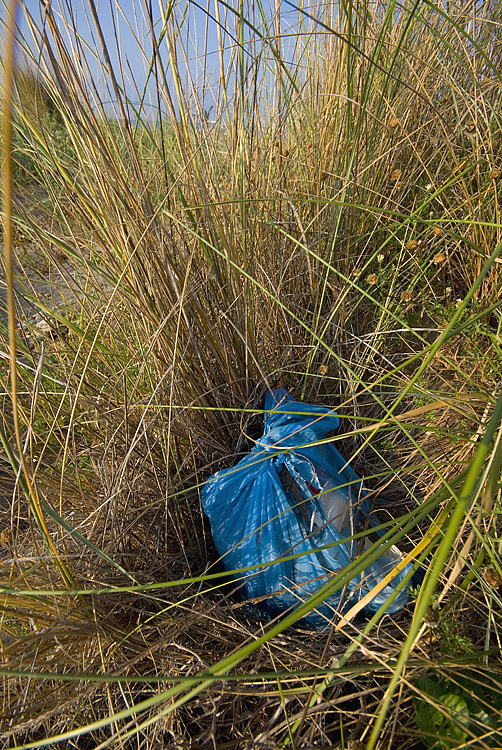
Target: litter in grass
x=293 y=506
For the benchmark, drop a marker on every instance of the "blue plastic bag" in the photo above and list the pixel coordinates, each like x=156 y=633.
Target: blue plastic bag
x=287 y=497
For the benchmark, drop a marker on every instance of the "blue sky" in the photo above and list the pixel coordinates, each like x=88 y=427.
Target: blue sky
x=127 y=33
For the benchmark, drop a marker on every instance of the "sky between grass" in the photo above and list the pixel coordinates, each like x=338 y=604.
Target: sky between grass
x=127 y=33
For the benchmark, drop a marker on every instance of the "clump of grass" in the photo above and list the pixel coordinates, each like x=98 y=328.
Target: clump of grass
x=334 y=230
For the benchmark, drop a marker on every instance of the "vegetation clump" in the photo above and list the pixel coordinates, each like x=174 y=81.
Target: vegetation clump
x=324 y=216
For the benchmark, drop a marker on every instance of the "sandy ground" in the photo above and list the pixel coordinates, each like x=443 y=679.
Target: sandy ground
x=35 y=275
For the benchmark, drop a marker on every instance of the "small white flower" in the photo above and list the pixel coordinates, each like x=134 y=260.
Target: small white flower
x=458 y=302
x=380 y=257
x=429 y=187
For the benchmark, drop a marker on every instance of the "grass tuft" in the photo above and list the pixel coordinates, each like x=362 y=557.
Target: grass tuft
x=315 y=206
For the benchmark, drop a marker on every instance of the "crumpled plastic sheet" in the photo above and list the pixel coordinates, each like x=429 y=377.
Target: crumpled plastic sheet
x=291 y=496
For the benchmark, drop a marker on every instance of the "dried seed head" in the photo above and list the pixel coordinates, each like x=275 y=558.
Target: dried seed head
x=406 y=296
x=395 y=175
x=431 y=617
x=437 y=231
x=438 y=259
x=411 y=245
x=372 y=278
x=393 y=123
x=494 y=173
x=323 y=369
x=5 y=536
x=492 y=578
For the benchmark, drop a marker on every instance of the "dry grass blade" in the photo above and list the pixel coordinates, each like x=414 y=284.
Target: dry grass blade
x=208 y=204
x=30 y=487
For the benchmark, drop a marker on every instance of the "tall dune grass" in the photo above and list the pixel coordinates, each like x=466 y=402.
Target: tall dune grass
x=330 y=225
